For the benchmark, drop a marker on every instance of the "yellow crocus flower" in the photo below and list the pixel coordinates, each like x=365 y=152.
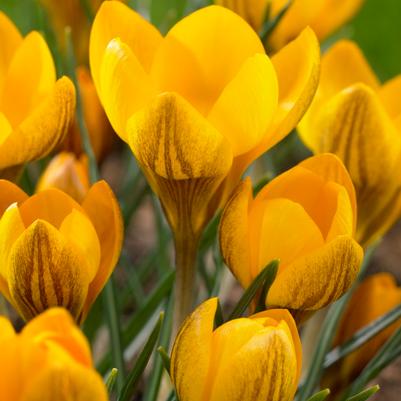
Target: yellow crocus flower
x=358 y=119
x=305 y=218
x=199 y=105
x=323 y=16
x=248 y=359
x=55 y=251
x=373 y=298
x=67 y=173
x=49 y=360
x=100 y=132
x=36 y=110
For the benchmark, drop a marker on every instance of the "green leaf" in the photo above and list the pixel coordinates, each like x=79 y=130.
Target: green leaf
x=264 y=279
x=164 y=13
x=362 y=336
x=143 y=314
x=320 y=396
x=111 y=380
x=364 y=395
x=165 y=359
x=141 y=363
x=270 y=24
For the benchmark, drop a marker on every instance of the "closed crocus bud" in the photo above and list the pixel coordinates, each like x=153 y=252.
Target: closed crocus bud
x=305 y=218
x=249 y=359
x=374 y=297
x=36 y=110
x=68 y=174
x=49 y=360
x=359 y=120
x=100 y=132
x=197 y=106
x=55 y=251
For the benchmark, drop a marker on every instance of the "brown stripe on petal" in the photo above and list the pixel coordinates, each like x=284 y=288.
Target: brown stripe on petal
x=45 y=272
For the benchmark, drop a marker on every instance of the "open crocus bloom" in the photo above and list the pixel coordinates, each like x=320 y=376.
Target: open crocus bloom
x=305 y=218
x=249 y=359
x=55 y=251
x=199 y=105
x=49 y=360
x=359 y=120
x=35 y=109
x=374 y=297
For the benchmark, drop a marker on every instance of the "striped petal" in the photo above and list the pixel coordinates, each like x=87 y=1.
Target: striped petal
x=45 y=271
x=301 y=285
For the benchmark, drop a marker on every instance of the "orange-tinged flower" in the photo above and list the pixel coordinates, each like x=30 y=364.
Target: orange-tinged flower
x=68 y=174
x=323 y=16
x=49 y=360
x=359 y=120
x=305 y=218
x=36 y=110
x=199 y=105
x=100 y=132
x=374 y=297
x=55 y=251
x=248 y=359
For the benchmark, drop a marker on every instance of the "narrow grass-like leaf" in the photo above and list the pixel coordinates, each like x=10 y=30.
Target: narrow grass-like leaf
x=165 y=359
x=362 y=336
x=141 y=363
x=320 y=396
x=111 y=380
x=366 y=394
x=267 y=275
x=270 y=25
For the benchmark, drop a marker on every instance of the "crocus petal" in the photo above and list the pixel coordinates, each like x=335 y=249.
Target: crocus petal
x=57 y=326
x=297 y=87
x=6 y=329
x=172 y=141
x=11 y=227
x=102 y=208
x=10 y=377
x=390 y=95
x=51 y=205
x=11 y=40
x=121 y=76
x=233 y=232
x=300 y=285
x=39 y=257
x=24 y=88
x=246 y=106
x=218 y=56
x=116 y=20
x=191 y=352
x=80 y=232
x=61 y=380
x=10 y=193
x=268 y=354
x=42 y=130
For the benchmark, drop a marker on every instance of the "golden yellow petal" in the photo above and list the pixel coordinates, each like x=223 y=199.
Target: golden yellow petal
x=56 y=325
x=192 y=352
x=43 y=129
x=10 y=193
x=320 y=278
x=116 y=20
x=265 y=368
x=390 y=95
x=233 y=233
x=79 y=231
x=11 y=40
x=45 y=271
x=244 y=110
x=183 y=156
x=218 y=56
x=10 y=369
x=125 y=86
x=102 y=208
x=25 y=87
x=6 y=329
